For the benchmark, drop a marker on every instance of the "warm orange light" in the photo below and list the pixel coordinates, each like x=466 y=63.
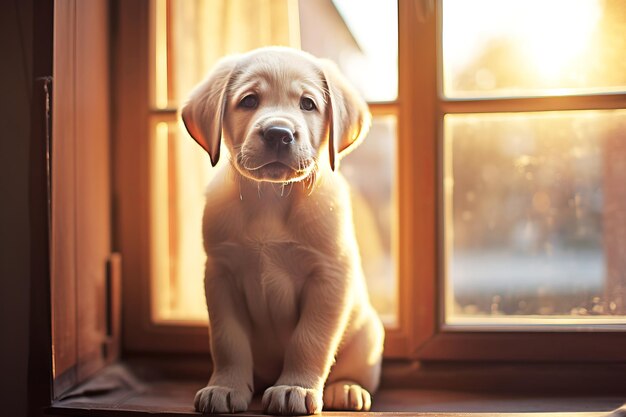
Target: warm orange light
x=560 y=32
x=538 y=43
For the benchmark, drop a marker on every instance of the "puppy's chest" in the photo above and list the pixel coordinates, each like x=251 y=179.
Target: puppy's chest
x=270 y=265
x=275 y=251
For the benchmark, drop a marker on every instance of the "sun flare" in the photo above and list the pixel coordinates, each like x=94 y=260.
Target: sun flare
x=556 y=33
x=550 y=37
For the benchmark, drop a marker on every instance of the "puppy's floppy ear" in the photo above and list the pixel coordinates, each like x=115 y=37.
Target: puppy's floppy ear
x=204 y=111
x=348 y=115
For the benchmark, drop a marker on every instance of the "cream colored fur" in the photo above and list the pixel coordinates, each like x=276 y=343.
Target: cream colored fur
x=288 y=306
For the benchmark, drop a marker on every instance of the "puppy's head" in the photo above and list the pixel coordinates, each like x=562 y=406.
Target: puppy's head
x=279 y=111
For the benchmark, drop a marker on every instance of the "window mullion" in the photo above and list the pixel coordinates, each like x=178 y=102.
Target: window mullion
x=384 y=108
x=528 y=104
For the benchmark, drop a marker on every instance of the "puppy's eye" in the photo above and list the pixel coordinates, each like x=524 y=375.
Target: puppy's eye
x=249 y=102
x=307 y=104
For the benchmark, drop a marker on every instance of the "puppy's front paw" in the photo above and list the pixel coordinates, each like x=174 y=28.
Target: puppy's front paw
x=217 y=399
x=293 y=400
x=346 y=396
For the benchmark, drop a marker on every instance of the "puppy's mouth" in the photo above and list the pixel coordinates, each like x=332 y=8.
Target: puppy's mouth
x=274 y=170
x=272 y=165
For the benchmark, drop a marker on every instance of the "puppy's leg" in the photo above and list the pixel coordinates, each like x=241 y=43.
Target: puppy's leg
x=230 y=388
x=308 y=357
x=356 y=372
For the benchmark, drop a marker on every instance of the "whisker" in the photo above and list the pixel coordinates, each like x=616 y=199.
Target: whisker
x=312 y=178
x=290 y=188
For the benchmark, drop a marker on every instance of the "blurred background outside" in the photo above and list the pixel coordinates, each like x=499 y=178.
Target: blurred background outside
x=535 y=202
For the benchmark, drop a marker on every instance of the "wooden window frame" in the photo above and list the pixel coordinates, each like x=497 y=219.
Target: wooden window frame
x=420 y=333
x=84 y=273
x=436 y=341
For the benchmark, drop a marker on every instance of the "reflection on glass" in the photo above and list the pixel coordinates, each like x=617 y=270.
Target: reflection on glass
x=201 y=32
x=361 y=40
x=179 y=175
x=370 y=171
x=533 y=47
x=361 y=37
x=180 y=171
x=535 y=215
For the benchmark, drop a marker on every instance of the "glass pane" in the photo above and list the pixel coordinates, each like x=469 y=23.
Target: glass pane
x=360 y=36
x=200 y=32
x=535 y=216
x=533 y=47
x=191 y=35
x=180 y=172
x=374 y=209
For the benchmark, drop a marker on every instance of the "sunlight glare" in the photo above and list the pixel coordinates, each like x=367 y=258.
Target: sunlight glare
x=558 y=34
x=374 y=25
x=552 y=34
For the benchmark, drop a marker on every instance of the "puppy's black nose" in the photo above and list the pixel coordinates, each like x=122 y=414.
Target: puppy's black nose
x=277 y=135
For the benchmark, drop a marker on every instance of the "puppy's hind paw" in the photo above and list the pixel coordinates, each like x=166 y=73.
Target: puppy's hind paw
x=346 y=396
x=216 y=399
x=292 y=400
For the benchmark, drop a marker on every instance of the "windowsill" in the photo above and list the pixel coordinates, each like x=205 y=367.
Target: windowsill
x=124 y=390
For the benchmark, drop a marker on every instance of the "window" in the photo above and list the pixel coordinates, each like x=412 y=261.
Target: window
x=497 y=210
x=531 y=198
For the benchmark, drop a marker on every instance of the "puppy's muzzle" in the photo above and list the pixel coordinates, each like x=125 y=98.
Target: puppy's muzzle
x=278 y=136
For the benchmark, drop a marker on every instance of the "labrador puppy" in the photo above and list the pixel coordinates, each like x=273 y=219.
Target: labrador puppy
x=288 y=307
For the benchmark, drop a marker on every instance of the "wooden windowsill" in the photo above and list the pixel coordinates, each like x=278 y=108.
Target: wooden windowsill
x=136 y=389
